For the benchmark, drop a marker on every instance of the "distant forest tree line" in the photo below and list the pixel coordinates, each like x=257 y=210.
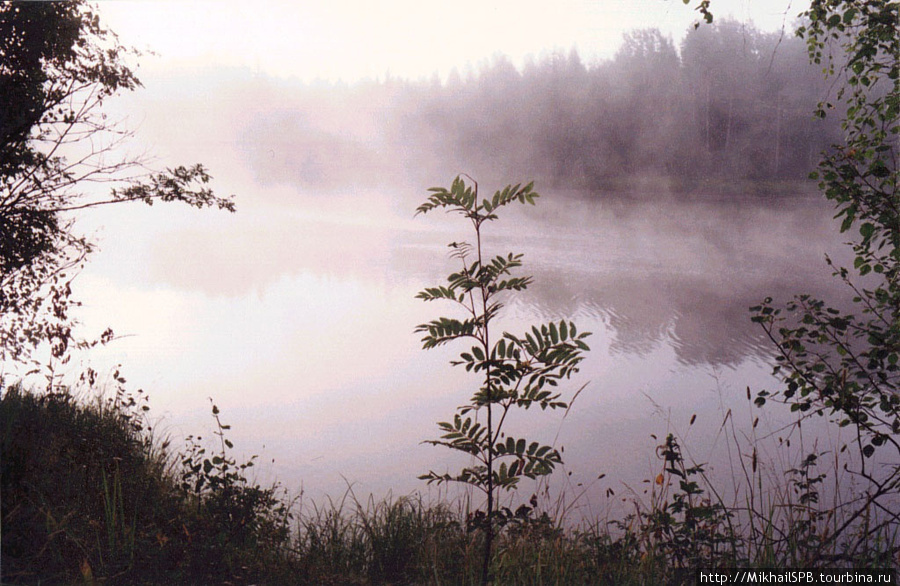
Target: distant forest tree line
x=732 y=104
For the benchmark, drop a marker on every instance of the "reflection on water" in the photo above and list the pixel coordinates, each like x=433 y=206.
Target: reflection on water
x=298 y=319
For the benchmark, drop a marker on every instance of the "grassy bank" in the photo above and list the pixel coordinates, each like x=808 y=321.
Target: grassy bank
x=89 y=495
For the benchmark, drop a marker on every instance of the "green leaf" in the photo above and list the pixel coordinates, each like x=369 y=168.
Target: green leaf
x=848 y=221
x=866 y=230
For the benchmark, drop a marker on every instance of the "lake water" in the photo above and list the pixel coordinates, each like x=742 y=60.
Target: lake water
x=296 y=316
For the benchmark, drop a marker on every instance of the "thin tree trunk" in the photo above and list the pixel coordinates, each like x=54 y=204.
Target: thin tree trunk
x=489 y=529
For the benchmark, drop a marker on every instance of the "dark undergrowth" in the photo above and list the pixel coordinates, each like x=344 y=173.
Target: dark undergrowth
x=90 y=496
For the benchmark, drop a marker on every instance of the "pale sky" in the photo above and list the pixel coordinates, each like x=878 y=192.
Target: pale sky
x=353 y=39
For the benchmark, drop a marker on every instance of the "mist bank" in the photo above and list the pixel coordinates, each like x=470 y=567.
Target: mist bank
x=730 y=110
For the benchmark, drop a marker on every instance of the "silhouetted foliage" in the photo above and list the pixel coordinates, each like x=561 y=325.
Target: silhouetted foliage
x=89 y=494
x=518 y=371
x=843 y=364
x=58 y=67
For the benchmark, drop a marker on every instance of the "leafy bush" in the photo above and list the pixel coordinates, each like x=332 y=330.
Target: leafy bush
x=90 y=494
x=84 y=488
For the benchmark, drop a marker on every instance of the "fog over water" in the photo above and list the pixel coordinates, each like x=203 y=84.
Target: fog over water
x=298 y=321
x=296 y=313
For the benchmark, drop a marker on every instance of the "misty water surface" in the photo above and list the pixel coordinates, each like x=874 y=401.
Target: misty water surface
x=297 y=314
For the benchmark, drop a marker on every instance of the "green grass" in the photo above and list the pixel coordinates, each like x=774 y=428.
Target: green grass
x=90 y=496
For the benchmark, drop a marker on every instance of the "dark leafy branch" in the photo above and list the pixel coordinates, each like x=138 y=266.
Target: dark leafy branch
x=58 y=66
x=841 y=364
x=516 y=371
